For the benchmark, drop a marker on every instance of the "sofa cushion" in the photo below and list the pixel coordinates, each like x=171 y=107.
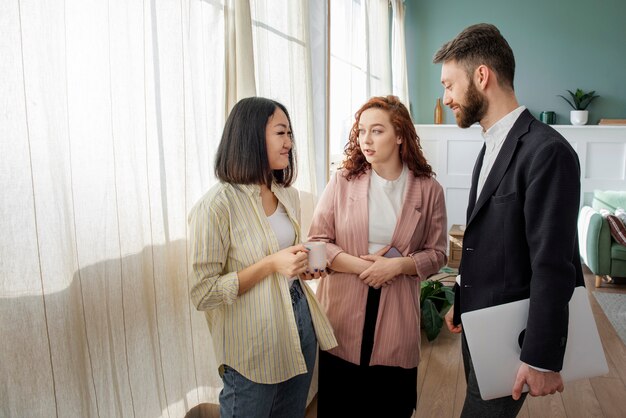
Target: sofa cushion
x=609 y=199
x=618 y=254
x=621 y=214
x=618 y=229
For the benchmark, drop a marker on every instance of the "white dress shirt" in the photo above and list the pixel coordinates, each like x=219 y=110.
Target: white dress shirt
x=494 y=138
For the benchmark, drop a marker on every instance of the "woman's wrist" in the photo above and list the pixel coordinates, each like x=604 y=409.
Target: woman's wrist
x=268 y=265
x=406 y=265
x=362 y=265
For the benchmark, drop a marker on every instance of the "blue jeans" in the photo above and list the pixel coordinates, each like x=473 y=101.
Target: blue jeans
x=242 y=397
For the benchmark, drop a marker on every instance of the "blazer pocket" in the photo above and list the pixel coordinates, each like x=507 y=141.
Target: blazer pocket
x=499 y=200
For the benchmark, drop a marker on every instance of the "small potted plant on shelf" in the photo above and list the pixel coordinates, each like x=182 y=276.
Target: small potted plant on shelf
x=435 y=300
x=580 y=101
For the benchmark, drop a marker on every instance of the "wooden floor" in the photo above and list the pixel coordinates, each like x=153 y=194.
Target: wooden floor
x=441 y=381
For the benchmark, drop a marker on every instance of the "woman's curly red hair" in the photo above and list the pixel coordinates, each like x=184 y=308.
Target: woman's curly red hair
x=411 y=153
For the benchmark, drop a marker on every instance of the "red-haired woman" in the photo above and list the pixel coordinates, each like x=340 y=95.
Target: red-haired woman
x=383 y=217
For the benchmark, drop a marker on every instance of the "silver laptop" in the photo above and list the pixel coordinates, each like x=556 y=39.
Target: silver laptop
x=492 y=338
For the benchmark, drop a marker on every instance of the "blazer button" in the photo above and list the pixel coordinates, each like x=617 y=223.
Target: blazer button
x=469 y=249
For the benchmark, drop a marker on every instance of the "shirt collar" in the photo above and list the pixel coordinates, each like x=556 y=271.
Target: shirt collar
x=390 y=183
x=495 y=135
x=255 y=189
x=249 y=189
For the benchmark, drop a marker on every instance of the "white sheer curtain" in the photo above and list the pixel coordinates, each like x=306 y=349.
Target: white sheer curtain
x=359 y=62
x=362 y=63
x=318 y=24
x=239 y=52
x=110 y=113
x=110 y=116
x=399 y=75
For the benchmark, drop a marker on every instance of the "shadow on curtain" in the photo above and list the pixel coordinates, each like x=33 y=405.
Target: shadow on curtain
x=117 y=344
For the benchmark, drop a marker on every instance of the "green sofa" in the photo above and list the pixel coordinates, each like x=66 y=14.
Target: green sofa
x=598 y=250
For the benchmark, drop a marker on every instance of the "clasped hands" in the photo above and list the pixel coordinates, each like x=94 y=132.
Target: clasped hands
x=382 y=271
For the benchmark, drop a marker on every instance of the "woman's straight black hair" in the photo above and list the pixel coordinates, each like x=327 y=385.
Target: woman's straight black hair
x=242 y=154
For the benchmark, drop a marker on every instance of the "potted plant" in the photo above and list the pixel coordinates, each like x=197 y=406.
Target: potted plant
x=580 y=101
x=435 y=300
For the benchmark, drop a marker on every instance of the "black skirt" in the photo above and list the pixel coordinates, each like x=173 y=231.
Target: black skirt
x=346 y=389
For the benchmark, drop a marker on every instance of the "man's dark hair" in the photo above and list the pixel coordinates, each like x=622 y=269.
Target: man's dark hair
x=242 y=154
x=480 y=44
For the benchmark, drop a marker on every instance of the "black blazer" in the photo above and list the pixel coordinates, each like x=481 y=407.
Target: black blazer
x=520 y=239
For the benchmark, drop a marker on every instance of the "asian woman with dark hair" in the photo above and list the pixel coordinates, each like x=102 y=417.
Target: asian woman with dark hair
x=248 y=264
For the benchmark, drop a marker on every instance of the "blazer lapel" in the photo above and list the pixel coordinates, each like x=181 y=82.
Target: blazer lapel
x=502 y=161
x=475 y=174
x=358 y=207
x=409 y=215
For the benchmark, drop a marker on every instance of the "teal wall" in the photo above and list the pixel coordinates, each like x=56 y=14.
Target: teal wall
x=558 y=45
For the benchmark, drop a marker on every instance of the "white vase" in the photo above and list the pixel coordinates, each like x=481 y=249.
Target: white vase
x=578 y=117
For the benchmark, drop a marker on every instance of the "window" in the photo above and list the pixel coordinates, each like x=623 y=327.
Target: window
x=359 y=63
x=281 y=61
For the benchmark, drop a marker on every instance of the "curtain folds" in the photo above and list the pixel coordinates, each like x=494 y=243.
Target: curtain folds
x=239 y=52
x=110 y=117
x=111 y=113
x=398 y=53
x=367 y=58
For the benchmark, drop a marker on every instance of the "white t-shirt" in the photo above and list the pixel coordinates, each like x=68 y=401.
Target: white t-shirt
x=384 y=201
x=283 y=229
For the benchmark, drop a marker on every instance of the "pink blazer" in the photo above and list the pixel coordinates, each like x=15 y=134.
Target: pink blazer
x=341 y=220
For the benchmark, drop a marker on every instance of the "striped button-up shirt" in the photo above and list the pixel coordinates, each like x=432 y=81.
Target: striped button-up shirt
x=254 y=333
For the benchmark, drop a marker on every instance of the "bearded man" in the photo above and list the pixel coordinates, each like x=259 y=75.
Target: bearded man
x=520 y=239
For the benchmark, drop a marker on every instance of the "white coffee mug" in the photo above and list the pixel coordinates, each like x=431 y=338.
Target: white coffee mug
x=317 y=255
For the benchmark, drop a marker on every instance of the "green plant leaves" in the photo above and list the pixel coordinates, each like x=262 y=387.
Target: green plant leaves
x=580 y=99
x=568 y=102
x=431 y=320
x=435 y=300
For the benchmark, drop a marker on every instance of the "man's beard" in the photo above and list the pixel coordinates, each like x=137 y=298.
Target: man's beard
x=474 y=108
